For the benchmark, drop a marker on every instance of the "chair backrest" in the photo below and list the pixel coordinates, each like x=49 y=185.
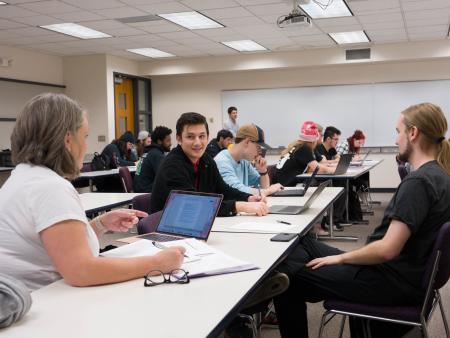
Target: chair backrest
x=149 y=223
x=127 y=180
x=86 y=168
x=271 y=172
x=141 y=202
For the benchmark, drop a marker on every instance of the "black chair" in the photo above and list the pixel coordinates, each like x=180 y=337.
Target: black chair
x=141 y=202
x=271 y=172
x=127 y=180
x=149 y=223
x=436 y=276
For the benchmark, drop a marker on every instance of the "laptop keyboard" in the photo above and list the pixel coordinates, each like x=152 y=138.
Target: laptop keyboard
x=160 y=237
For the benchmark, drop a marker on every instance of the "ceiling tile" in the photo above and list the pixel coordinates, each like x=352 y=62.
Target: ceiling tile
x=104 y=24
x=375 y=18
x=332 y=22
x=439 y=29
x=380 y=25
x=31 y=31
x=5 y=24
x=11 y=11
x=119 y=12
x=430 y=14
x=209 y=4
x=421 y=5
x=442 y=20
x=145 y=38
x=94 y=4
x=179 y=35
x=258 y=2
x=49 y=7
x=244 y=21
x=78 y=16
x=337 y=29
x=38 y=20
x=161 y=27
x=367 y=6
x=224 y=13
x=165 y=7
x=271 y=9
x=296 y=31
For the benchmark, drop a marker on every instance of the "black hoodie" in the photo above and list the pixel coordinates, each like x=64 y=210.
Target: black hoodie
x=147 y=168
x=176 y=172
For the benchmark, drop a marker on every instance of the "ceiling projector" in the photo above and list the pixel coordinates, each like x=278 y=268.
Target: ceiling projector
x=295 y=18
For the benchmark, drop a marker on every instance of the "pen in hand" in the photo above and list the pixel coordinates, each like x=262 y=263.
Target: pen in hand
x=283 y=222
x=162 y=247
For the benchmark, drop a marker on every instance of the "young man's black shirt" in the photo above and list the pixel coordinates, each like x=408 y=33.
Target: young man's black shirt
x=177 y=172
x=147 y=169
x=329 y=154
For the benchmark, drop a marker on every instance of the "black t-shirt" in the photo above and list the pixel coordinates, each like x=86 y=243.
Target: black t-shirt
x=317 y=155
x=292 y=164
x=422 y=201
x=329 y=155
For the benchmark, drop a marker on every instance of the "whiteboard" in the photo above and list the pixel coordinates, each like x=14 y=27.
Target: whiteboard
x=13 y=96
x=373 y=108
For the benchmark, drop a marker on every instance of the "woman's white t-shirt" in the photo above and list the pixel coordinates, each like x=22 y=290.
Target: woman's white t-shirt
x=31 y=200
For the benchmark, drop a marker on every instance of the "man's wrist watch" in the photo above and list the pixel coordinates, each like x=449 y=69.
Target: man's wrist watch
x=264 y=173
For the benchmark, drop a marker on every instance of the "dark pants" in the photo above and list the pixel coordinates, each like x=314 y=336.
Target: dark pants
x=363 y=284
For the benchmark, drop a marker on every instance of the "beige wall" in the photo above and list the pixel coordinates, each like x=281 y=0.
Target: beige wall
x=32 y=66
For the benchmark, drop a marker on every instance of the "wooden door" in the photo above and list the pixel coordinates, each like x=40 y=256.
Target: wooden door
x=124 y=114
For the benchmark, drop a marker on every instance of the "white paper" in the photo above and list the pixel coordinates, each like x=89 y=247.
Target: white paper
x=260 y=226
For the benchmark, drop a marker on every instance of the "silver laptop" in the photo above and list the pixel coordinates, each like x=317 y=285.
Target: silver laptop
x=186 y=214
x=361 y=162
x=343 y=164
x=297 y=209
x=297 y=191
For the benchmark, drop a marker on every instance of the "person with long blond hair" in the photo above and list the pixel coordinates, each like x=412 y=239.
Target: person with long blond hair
x=390 y=268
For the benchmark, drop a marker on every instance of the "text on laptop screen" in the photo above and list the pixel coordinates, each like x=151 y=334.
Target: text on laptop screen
x=189 y=215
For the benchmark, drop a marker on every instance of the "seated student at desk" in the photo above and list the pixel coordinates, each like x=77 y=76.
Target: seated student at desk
x=352 y=145
x=44 y=232
x=222 y=141
x=148 y=166
x=235 y=164
x=142 y=143
x=120 y=150
x=298 y=157
x=327 y=148
x=187 y=167
x=389 y=269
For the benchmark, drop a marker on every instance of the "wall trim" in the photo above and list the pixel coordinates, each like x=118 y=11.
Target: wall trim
x=32 y=82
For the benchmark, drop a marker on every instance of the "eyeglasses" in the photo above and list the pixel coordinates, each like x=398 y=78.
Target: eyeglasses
x=156 y=277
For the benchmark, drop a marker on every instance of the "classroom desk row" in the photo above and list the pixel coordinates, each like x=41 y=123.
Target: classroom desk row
x=91 y=175
x=202 y=308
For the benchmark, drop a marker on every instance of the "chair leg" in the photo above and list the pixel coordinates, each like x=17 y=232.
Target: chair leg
x=323 y=322
x=252 y=322
x=341 y=329
x=444 y=318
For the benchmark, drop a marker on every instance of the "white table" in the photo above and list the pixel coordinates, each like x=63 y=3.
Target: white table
x=101 y=201
x=6 y=169
x=300 y=223
x=202 y=308
x=90 y=175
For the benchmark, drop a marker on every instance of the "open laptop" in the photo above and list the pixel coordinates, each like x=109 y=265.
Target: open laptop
x=297 y=191
x=297 y=209
x=186 y=214
x=343 y=164
x=360 y=162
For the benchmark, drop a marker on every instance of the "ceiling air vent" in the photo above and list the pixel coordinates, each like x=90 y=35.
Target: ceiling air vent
x=357 y=54
x=144 y=18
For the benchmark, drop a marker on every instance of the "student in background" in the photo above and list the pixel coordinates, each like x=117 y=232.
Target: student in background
x=143 y=142
x=389 y=269
x=222 y=141
x=231 y=124
x=148 y=166
x=235 y=164
x=352 y=145
x=298 y=157
x=187 y=167
x=328 y=146
x=44 y=232
x=120 y=150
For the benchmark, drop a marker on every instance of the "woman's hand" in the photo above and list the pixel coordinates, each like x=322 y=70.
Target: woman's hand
x=121 y=219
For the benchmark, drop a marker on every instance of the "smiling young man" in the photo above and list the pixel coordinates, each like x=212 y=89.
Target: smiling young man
x=389 y=269
x=188 y=168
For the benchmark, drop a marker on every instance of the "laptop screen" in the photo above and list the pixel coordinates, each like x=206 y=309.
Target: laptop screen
x=189 y=214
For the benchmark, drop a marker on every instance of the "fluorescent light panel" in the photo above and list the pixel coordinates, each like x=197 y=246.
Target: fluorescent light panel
x=191 y=20
x=3 y=3
x=78 y=31
x=244 y=45
x=337 y=8
x=151 y=52
x=342 y=38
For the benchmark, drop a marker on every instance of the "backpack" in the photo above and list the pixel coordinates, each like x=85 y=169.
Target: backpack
x=100 y=162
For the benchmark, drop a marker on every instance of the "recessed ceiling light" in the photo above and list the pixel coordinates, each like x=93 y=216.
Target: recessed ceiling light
x=191 y=20
x=342 y=38
x=150 y=52
x=244 y=45
x=78 y=31
x=335 y=9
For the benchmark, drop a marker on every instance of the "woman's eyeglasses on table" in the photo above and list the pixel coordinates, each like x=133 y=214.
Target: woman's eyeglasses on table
x=156 y=277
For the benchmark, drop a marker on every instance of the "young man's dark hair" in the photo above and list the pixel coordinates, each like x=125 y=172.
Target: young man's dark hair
x=223 y=134
x=191 y=118
x=330 y=132
x=230 y=109
x=160 y=133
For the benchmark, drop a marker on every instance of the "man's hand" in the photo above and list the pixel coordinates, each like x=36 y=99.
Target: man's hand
x=121 y=219
x=322 y=261
x=273 y=189
x=257 y=198
x=260 y=164
x=258 y=208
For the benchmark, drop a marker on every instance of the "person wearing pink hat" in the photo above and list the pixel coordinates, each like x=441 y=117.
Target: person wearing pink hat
x=298 y=157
